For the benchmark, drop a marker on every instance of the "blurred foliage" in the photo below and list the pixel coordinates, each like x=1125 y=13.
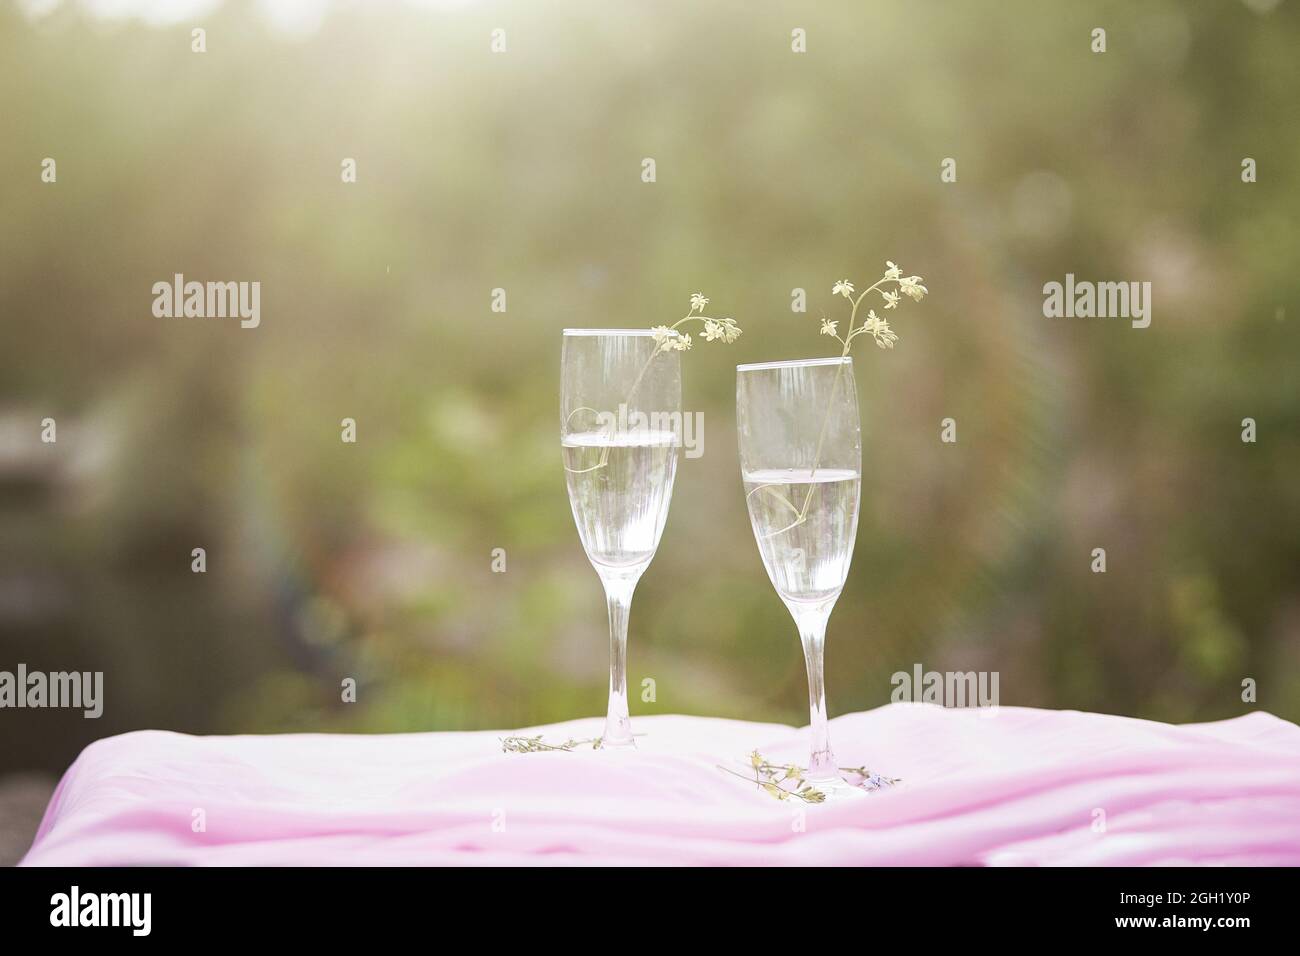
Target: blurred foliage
x=775 y=170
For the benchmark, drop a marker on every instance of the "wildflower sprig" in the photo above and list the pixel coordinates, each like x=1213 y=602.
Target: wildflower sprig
x=788 y=781
x=538 y=744
x=668 y=339
x=891 y=287
x=532 y=745
x=873 y=325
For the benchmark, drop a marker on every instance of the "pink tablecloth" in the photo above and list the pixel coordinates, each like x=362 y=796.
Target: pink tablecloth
x=1010 y=786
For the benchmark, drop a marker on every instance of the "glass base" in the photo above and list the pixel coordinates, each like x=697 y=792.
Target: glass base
x=618 y=731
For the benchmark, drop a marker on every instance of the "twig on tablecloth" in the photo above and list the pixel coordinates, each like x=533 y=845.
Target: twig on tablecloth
x=784 y=781
x=531 y=745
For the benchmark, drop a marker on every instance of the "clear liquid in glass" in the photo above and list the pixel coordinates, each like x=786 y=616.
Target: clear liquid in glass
x=620 y=506
x=807 y=560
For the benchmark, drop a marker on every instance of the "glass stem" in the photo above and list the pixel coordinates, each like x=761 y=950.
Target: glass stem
x=812 y=633
x=618 y=595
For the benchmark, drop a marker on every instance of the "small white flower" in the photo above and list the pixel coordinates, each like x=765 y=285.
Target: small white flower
x=662 y=334
x=891 y=298
x=892 y=271
x=880 y=330
x=844 y=287
x=725 y=330
x=828 y=328
x=698 y=302
x=682 y=343
x=911 y=286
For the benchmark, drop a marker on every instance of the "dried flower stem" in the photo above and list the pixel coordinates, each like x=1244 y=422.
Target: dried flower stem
x=784 y=781
x=872 y=325
x=668 y=339
x=532 y=745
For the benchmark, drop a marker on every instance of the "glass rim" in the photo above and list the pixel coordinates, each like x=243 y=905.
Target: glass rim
x=795 y=363
x=608 y=332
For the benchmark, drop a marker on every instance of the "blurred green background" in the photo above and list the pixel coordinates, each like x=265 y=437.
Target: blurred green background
x=521 y=170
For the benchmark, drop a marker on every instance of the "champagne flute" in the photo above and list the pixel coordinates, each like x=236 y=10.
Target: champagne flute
x=620 y=415
x=801 y=462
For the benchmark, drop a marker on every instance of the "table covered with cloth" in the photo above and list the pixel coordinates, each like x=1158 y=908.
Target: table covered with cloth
x=996 y=786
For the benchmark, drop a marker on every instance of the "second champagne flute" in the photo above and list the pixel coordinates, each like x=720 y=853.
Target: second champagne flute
x=801 y=462
x=620 y=398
